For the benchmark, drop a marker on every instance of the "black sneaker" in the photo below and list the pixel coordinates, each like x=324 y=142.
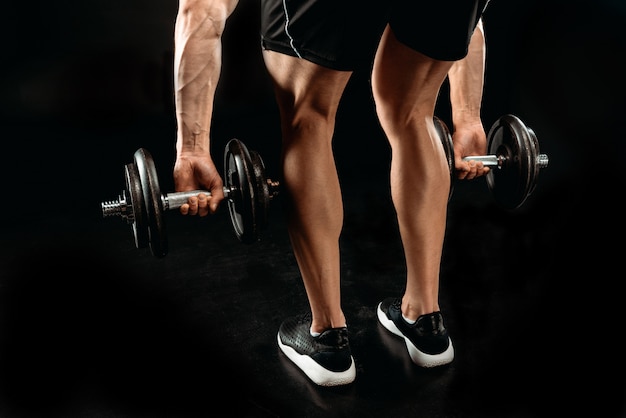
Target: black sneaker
x=427 y=339
x=326 y=359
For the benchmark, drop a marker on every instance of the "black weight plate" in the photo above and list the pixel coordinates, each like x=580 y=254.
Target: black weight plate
x=239 y=180
x=153 y=200
x=135 y=194
x=262 y=190
x=448 y=147
x=509 y=138
x=534 y=155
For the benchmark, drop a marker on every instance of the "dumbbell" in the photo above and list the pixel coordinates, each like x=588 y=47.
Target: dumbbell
x=514 y=159
x=246 y=188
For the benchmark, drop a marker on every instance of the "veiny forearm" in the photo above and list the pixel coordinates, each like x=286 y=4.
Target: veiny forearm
x=197 y=67
x=466 y=79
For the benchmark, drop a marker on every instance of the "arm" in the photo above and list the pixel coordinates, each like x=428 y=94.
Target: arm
x=197 y=67
x=466 y=79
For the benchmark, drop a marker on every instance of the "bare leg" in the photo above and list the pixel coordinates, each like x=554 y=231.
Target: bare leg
x=308 y=96
x=406 y=85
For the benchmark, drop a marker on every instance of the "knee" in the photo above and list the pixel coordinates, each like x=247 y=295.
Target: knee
x=392 y=114
x=305 y=115
x=308 y=123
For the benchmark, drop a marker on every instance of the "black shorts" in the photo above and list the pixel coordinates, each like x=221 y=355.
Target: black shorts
x=344 y=34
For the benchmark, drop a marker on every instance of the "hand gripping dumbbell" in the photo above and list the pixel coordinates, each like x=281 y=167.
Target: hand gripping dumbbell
x=514 y=159
x=246 y=189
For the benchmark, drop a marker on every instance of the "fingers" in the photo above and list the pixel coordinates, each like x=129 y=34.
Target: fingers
x=184 y=209
x=200 y=205
x=213 y=204
x=469 y=170
x=469 y=140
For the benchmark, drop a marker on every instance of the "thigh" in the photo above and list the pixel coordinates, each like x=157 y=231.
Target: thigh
x=301 y=84
x=440 y=29
x=404 y=80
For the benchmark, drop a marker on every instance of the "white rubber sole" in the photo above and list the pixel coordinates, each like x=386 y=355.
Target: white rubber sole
x=315 y=372
x=418 y=357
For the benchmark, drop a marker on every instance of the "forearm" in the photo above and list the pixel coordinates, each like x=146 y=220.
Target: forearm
x=197 y=67
x=466 y=79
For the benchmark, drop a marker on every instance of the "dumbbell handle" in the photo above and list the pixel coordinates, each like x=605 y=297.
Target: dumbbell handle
x=121 y=206
x=177 y=199
x=498 y=160
x=487 y=160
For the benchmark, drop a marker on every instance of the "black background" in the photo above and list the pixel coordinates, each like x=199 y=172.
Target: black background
x=85 y=83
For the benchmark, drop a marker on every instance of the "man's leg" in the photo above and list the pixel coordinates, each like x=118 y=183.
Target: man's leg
x=308 y=96
x=406 y=84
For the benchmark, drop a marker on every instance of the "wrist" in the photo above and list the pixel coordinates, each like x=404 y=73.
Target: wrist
x=193 y=144
x=466 y=118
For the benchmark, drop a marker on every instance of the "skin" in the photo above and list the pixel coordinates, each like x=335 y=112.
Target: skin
x=466 y=79
x=308 y=96
x=405 y=84
x=197 y=67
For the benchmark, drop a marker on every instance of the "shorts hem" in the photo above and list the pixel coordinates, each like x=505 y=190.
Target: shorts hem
x=306 y=55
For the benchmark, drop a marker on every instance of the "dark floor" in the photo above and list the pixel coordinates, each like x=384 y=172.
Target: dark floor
x=90 y=326
x=93 y=327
